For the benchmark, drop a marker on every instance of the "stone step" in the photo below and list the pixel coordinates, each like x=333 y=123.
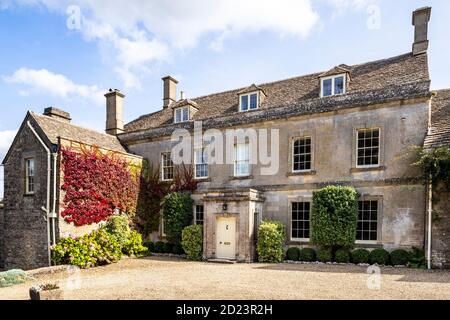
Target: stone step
x=223 y=261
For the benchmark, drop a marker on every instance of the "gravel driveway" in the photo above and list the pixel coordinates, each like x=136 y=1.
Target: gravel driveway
x=169 y=278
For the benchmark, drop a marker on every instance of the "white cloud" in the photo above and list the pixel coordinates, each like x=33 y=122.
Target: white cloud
x=6 y=138
x=342 y=6
x=44 y=81
x=142 y=32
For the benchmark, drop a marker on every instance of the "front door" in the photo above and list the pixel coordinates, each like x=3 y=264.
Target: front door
x=226 y=238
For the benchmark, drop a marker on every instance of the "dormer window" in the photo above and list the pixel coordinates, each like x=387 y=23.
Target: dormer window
x=181 y=115
x=334 y=85
x=249 y=101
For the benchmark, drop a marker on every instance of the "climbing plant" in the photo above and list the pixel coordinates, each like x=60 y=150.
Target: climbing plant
x=96 y=185
x=434 y=164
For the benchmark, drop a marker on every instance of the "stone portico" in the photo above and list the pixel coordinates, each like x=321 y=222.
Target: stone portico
x=241 y=207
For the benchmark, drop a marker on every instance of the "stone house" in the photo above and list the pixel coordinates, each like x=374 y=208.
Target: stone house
x=259 y=153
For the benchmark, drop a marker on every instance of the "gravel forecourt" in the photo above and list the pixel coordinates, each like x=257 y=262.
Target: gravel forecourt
x=161 y=278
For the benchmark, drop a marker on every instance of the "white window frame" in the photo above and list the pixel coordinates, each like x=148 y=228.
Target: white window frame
x=292 y=156
x=28 y=175
x=195 y=164
x=248 y=97
x=357 y=148
x=195 y=213
x=246 y=160
x=291 y=221
x=371 y=242
x=181 y=110
x=164 y=166
x=333 y=78
x=163 y=232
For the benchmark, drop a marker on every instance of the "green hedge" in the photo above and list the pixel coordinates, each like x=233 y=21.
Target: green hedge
x=400 y=257
x=342 y=256
x=192 y=242
x=177 y=213
x=334 y=216
x=361 y=256
x=159 y=247
x=324 y=255
x=379 y=256
x=133 y=245
x=293 y=254
x=271 y=237
x=307 y=255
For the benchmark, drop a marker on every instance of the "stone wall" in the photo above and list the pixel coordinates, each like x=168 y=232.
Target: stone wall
x=25 y=229
x=1 y=236
x=441 y=227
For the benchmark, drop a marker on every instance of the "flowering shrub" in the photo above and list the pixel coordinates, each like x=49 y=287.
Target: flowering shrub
x=119 y=228
x=94 y=249
x=133 y=245
x=96 y=185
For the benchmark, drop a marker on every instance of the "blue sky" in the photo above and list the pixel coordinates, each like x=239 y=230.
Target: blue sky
x=68 y=53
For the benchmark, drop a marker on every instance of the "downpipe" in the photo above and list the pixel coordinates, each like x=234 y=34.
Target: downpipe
x=430 y=222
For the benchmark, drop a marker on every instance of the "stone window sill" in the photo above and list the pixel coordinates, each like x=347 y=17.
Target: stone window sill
x=368 y=169
x=241 y=178
x=200 y=180
x=302 y=173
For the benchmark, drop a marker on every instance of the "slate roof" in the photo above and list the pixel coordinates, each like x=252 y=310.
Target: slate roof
x=54 y=128
x=400 y=77
x=439 y=134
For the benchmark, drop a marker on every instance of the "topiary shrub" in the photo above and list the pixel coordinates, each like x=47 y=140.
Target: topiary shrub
x=417 y=259
x=307 y=255
x=334 y=216
x=178 y=249
x=342 y=256
x=400 y=257
x=168 y=247
x=192 y=242
x=177 y=213
x=361 y=256
x=293 y=254
x=150 y=245
x=133 y=246
x=379 y=256
x=271 y=237
x=159 y=247
x=118 y=227
x=324 y=255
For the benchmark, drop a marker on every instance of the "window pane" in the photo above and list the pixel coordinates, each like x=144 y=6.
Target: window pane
x=326 y=87
x=367 y=220
x=253 y=101
x=177 y=115
x=185 y=114
x=368 y=147
x=301 y=159
x=339 y=85
x=199 y=214
x=244 y=103
x=167 y=166
x=300 y=227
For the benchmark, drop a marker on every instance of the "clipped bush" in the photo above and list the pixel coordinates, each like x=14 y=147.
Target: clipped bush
x=192 y=242
x=417 y=259
x=361 y=256
x=293 y=254
x=379 y=256
x=270 y=241
x=334 y=216
x=12 y=277
x=133 y=246
x=118 y=227
x=177 y=213
x=150 y=245
x=400 y=257
x=168 y=247
x=178 y=249
x=307 y=255
x=159 y=247
x=324 y=255
x=342 y=256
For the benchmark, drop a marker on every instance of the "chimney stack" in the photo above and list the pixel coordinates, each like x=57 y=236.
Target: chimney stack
x=114 y=112
x=170 y=91
x=420 y=20
x=57 y=113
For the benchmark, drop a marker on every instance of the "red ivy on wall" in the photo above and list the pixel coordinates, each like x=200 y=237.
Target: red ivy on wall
x=96 y=185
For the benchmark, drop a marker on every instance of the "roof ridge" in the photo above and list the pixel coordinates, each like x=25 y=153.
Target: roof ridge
x=34 y=114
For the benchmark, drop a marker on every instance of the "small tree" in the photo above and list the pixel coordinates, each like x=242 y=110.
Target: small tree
x=192 y=242
x=334 y=217
x=177 y=213
x=271 y=238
